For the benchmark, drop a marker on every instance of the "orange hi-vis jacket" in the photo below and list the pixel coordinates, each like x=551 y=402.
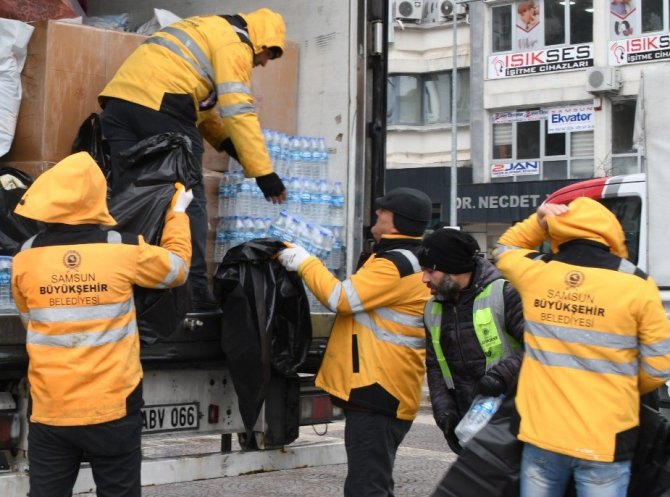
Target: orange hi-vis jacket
x=73 y=286
x=375 y=358
x=596 y=334
x=194 y=64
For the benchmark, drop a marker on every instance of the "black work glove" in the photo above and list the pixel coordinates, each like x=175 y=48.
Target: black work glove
x=448 y=426
x=491 y=384
x=271 y=185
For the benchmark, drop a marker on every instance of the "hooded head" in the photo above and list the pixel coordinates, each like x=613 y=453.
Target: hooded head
x=587 y=219
x=74 y=191
x=266 y=30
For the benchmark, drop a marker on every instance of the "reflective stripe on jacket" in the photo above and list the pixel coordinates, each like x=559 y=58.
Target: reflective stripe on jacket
x=488 y=319
x=376 y=351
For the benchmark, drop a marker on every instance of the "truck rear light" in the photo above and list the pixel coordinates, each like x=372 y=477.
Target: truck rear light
x=213 y=414
x=10 y=429
x=318 y=408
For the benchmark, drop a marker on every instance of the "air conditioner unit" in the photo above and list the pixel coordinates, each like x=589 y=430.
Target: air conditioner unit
x=602 y=80
x=449 y=7
x=411 y=10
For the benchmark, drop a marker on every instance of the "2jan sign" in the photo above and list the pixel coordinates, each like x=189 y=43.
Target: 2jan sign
x=515 y=169
x=540 y=61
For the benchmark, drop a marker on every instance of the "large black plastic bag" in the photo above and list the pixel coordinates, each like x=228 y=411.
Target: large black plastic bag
x=490 y=462
x=89 y=139
x=650 y=471
x=266 y=323
x=140 y=198
x=14 y=229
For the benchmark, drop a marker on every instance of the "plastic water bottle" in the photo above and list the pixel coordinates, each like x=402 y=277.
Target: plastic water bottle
x=278 y=226
x=334 y=261
x=244 y=198
x=323 y=201
x=295 y=154
x=480 y=413
x=337 y=205
x=6 y=299
x=220 y=240
x=322 y=152
x=306 y=156
x=284 y=156
x=306 y=199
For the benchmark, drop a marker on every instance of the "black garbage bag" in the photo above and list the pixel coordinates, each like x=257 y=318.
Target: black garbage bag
x=490 y=462
x=89 y=139
x=140 y=198
x=650 y=470
x=266 y=324
x=14 y=229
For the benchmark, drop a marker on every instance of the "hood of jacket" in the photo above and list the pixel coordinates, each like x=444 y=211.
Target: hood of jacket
x=587 y=219
x=266 y=29
x=73 y=192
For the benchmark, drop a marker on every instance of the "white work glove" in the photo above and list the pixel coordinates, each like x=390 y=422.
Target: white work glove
x=293 y=257
x=181 y=199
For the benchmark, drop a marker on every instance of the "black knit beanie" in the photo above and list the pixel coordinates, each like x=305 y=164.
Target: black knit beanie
x=450 y=251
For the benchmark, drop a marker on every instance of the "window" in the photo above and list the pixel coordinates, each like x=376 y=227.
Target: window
x=536 y=24
x=420 y=99
x=630 y=18
x=627 y=211
x=625 y=157
x=560 y=155
x=652 y=15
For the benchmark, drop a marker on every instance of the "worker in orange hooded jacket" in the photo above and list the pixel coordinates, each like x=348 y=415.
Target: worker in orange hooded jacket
x=73 y=287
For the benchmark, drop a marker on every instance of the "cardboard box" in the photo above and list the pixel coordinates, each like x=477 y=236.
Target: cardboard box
x=67 y=67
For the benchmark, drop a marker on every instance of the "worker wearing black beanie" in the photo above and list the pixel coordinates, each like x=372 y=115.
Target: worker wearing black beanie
x=450 y=251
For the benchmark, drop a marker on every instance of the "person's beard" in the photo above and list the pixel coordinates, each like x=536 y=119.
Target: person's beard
x=447 y=289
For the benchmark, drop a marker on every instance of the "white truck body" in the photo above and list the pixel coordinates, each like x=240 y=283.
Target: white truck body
x=199 y=398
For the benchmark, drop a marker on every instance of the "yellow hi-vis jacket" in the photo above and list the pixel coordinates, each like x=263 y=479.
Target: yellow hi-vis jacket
x=596 y=333
x=73 y=286
x=191 y=65
x=375 y=358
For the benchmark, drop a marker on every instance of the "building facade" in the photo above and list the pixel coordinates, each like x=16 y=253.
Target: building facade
x=552 y=100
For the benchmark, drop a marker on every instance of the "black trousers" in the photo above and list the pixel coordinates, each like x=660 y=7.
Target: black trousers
x=124 y=124
x=371 y=441
x=113 y=450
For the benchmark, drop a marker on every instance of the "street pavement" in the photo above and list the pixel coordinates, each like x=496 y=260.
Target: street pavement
x=422 y=460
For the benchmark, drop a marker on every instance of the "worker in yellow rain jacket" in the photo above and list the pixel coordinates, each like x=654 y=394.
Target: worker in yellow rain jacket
x=73 y=287
x=596 y=338
x=194 y=77
x=373 y=366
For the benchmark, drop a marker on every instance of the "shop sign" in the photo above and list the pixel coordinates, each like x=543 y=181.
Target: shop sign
x=573 y=118
x=548 y=60
x=516 y=116
x=505 y=170
x=643 y=49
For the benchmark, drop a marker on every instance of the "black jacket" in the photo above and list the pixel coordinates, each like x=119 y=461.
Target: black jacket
x=462 y=350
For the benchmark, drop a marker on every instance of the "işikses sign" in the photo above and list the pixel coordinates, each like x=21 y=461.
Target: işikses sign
x=643 y=49
x=515 y=169
x=543 y=61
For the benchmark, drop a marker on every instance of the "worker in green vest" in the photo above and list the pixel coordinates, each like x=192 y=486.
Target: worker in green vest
x=474 y=327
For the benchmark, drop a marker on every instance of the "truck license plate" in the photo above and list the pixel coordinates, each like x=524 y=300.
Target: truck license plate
x=170 y=417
